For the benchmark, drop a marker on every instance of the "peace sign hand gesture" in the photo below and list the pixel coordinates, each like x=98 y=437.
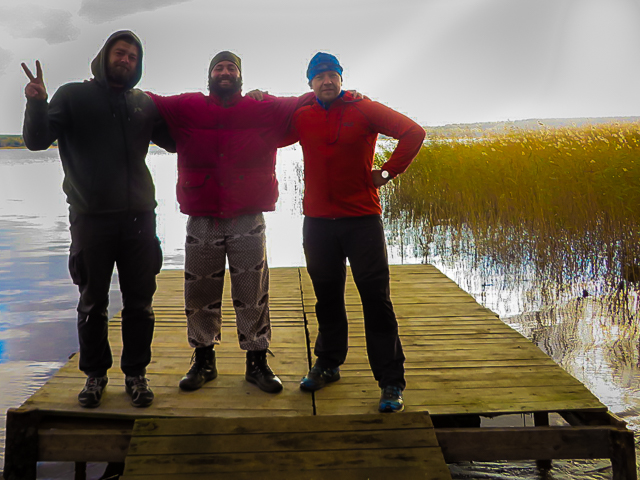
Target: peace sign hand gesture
x=35 y=89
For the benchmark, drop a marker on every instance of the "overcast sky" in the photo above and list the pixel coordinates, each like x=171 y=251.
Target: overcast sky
x=437 y=61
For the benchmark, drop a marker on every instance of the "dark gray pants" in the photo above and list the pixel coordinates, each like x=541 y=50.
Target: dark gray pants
x=327 y=245
x=98 y=242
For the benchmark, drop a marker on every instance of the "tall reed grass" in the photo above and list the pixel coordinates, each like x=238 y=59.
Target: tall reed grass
x=559 y=204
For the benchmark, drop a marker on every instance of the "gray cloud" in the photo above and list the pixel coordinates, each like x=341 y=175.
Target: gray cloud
x=5 y=60
x=35 y=21
x=99 y=11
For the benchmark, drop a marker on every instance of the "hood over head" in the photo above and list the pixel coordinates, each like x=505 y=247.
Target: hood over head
x=99 y=64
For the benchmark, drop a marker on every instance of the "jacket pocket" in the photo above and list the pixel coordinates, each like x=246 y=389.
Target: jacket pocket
x=192 y=188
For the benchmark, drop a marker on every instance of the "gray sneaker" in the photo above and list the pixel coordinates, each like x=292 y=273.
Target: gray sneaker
x=91 y=395
x=139 y=391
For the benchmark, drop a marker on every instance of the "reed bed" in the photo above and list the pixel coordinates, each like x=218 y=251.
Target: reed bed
x=560 y=206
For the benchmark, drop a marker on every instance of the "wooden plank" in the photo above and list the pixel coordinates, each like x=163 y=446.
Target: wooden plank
x=486 y=408
x=83 y=445
x=548 y=443
x=288 y=447
x=274 y=442
x=282 y=462
x=21 y=444
x=468 y=396
x=263 y=425
x=378 y=473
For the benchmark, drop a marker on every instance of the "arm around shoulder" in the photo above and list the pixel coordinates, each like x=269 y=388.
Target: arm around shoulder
x=162 y=137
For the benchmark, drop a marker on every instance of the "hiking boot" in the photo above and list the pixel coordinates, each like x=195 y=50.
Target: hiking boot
x=391 y=399
x=259 y=373
x=139 y=391
x=91 y=395
x=318 y=377
x=202 y=371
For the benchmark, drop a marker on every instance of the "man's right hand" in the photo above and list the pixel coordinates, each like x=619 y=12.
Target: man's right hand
x=35 y=89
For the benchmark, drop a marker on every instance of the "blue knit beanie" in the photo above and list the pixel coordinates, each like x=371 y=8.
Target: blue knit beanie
x=323 y=62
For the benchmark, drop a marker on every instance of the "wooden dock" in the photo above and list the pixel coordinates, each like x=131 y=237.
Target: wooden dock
x=463 y=363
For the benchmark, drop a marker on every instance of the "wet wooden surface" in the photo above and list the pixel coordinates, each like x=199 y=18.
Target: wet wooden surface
x=461 y=359
x=227 y=396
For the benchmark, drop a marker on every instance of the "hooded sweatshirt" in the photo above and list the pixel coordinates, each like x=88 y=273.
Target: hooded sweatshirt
x=103 y=137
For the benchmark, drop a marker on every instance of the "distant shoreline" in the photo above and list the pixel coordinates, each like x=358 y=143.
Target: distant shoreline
x=21 y=147
x=16 y=141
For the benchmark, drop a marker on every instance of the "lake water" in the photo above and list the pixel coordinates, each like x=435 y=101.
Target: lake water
x=37 y=299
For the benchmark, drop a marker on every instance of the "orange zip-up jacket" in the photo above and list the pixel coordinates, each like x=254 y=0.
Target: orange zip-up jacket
x=339 y=145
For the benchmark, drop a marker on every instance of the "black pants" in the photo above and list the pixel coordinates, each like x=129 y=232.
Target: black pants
x=98 y=242
x=327 y=245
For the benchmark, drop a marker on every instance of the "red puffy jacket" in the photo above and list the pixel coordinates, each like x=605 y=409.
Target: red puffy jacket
x=227 y=153
x=339 y=145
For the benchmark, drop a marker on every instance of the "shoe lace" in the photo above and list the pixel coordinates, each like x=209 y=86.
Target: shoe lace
x=392 y=392
x=323 y=372
x=92 y=385
x=260 y=362
x=198 y=359
x=139 y=383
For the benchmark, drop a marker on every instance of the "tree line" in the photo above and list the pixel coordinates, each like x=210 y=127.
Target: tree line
x=11 y=141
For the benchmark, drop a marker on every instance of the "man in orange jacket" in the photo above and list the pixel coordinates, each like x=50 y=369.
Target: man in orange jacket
x=338 y=134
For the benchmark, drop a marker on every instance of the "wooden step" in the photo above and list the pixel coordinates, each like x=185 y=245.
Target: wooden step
x=375 y=446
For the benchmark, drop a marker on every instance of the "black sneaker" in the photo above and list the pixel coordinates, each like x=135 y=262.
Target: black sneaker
x=91 y=395
x=202 y=371
x=391 y=399
x=259 y=373
x=318 y=377
x=139 y=391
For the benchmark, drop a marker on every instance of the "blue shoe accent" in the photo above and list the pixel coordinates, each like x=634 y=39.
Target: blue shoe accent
x=391 y=399
x=318 y=377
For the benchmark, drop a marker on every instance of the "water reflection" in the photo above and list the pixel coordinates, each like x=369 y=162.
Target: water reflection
x=592 y=334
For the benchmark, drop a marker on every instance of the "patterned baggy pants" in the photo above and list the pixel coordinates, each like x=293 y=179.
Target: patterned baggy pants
x=210 y=241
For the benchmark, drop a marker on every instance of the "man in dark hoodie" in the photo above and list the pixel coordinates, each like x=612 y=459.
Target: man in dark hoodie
x=103 y=127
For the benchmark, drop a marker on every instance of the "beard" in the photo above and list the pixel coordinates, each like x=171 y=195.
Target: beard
x=118 y=74
x=234 y=86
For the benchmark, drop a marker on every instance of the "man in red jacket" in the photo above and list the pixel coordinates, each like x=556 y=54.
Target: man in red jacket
x=338 y=134
x=226 y=145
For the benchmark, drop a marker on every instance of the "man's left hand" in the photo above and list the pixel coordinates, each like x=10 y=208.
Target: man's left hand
x=378 y=181
x=257 y=95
